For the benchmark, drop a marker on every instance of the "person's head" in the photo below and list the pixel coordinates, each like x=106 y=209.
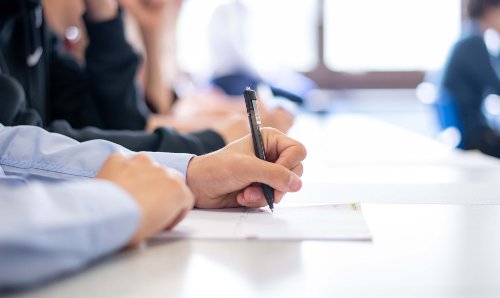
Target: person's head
x=487 y=11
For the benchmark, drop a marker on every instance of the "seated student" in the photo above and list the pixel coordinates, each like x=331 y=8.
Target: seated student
x=151 y=29
x=232 y=65
x=470 y=75
x=68 y=98
x=48 y=229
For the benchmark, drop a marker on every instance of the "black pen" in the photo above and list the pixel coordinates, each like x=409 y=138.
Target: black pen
x=258 y=144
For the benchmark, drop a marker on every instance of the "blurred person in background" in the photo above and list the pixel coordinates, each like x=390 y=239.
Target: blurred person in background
x=151 y=29
x=471 y=74
x=93 y=99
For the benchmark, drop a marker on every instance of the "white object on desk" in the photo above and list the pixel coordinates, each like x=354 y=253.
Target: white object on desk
x=316 y=222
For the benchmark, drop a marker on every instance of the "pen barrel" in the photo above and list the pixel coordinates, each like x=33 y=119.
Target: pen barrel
x=258 y=142
x=258 y=145
x=268 y=194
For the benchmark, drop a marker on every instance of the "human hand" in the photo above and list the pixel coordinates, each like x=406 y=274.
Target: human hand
x=101 y=10
x=231 y=127
x=150 y=14
x=161 y=193
x=228 y=177
x=278 y=118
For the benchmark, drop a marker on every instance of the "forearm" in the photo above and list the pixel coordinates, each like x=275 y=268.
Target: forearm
x=101 y=10
x=156 y=21
x=159 y=81
x=36 y=154
x=161 y=140
x=111 y=67
x=46 y=231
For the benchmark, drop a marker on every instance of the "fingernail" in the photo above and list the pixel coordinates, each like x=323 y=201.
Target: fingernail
x=295 y=183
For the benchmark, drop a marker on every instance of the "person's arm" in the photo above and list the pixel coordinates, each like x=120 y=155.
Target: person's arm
x=52 y=229
x=48 y=230
x=112 y=65
x=163 y=139
x=34 y=153
x=102 y=92
x=72 y=101
x=156 y=20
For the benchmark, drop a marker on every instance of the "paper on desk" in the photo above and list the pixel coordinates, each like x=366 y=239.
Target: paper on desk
x=316 y=222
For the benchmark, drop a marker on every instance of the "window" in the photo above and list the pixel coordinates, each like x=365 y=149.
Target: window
x=389 y=35
x=280 y=33
x=365 y=43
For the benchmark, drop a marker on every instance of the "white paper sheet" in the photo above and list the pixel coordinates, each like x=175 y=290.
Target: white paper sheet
x=316 y=222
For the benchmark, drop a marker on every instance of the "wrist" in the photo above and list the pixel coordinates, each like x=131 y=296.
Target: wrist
x=101 y=10
x=192 y=176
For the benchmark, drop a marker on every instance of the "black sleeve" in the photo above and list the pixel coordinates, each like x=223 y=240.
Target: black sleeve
x=161 y=140
x=112 y=65
x=102 y=92
x=101 y=102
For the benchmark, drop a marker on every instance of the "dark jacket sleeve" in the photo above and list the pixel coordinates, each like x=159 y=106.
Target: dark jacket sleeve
x=102 y=92
x=100 y=101
x=111 y=65
x=161 y=140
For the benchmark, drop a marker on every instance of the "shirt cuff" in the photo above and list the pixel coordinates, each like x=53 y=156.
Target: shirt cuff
x=178 y=161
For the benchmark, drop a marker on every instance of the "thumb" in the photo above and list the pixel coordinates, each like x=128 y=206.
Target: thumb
x=274 y=175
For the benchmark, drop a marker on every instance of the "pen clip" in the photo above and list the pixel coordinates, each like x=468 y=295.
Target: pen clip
x=251 y=103
x=257 y=114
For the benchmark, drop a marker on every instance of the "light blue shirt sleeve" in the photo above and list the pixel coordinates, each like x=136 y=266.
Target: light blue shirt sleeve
x=30 y=153
x=47 y=230
x=50 y=228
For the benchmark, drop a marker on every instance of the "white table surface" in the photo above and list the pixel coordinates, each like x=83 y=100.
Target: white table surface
x=444 y=245
x=355 y=158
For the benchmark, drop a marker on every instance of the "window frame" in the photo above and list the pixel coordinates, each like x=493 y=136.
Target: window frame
x=330 y=79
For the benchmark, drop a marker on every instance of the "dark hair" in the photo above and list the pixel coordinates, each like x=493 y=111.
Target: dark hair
x=477 y=8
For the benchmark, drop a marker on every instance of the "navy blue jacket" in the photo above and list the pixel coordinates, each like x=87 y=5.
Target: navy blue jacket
x=469 y=76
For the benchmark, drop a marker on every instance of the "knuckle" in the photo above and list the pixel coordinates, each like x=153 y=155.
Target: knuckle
x=178 y=186
x=142 y=158
x=300 y=170
x=283 y=178
x=304 y=150
x=301 y=150
x=115 y=157
x=175 y=174
x=276 y=175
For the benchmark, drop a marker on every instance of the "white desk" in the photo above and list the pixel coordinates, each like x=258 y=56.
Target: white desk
x=354 y=158
x=419 y=250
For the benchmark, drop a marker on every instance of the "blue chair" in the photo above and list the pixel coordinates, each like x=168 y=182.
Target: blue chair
x=448 y=114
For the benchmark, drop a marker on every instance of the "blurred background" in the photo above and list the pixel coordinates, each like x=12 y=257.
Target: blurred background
x=364 y=56
x=387 y=59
